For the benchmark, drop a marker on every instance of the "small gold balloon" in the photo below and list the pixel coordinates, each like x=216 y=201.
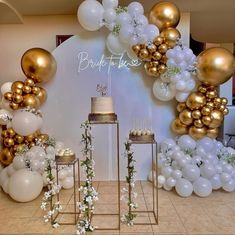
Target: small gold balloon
x=32 y=144
x=27 y=89
x=154 y=63
x=152 y=71
x=19 y=139
x=210 y=105
x=35 y=90
x=198 y=123
x=9 y=142
x=44 y=137
x=162 y=68
x=31 y=101
x=17 y=91
x=222 y=107
x=163 y=48
x=213 y=133
x=4 y=134
x=186 y=117
x=38 y=64
x=171 y=36
x=211 y=94
x=206 y=111
x=158 y=40
x=14 y=106
x=30 y=138
x=29 y=82
x=8 y=96
x=197 y=133
x=20 y=147
x=10 y=132
x=206 y=120
x=164 y=15
x=6 y=157
x=181 y=107
x=217 y=101
x=151 y=49
x=42 y=96
x=196 y=100
x=224 y=101
x=215 y=66
x=136 y=49
x=226 y=111
x=17 y=84
x=202 y=89
x=156 y=55
x=144 y=54
x=17 y=98
x=217 y=118
x=196 y=114
x=178 y=127
x=164 y=59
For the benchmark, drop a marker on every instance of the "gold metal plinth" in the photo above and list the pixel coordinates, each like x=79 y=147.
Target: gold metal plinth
x=102 y=118
x=142 y=138
x=65 y=159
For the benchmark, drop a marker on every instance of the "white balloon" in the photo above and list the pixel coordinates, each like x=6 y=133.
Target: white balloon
x=167 y=187
x=182 y=162
x=90 y=15
x=6 y=87
x=171 y=63
x=131 y=54
x=176 y=174
x=229 y=186
x=163 y=91
x=3 y=176
x=200 y=151
x=110 y=15
x=216 y=182
x=5 y=104
x=36 y=149
x=69 y=171
x=50 y=150
x=167 y=144
x=187 y=142
x=4 y=112
x=219 y=169
x=171 y=182
x=177 y=155
x=25 y=123
x=10 y=170
x=35 y=165
x=25 y=185
x=207 y=170
x=68 y=182
x=166 y=171
x=190 y=85
x=225 y=177
x=110 y=26
x=107 y=4
x=151 y=32
x=161 y=179
x=196 y=159
x=180 y=85
x=5 y=185
x=123 y=19
x=114 y=45
x=142 y=21
x=135 y=9
x=191 y=172
x=62 y=174
x=126 y=32
x=181 y=96
x=206 y=143
x=183 y=187
x=202 y=187
x=228 y=169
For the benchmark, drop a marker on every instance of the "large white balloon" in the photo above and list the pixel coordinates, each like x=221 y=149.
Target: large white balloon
x=135 y=9
x=90 y=15
x=207 y=170
x=110 y=15
x=151 y=32
x=6 y=87
x=183 y=187
x=10 y=170
x=114 y=45
x=229 y=186
x=5 y=185
x=5 y=104
x=206 y=143
x=163 y=91
x=3 y=176
x=68 y=182
x=191 y=172
x=109 y=4
x=202 y=187
x=25 y=123
x=25 y=185
x=186 y=142
x=126 y=33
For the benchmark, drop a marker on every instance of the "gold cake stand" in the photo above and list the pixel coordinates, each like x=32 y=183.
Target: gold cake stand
x=109 y=119
x=148 y=140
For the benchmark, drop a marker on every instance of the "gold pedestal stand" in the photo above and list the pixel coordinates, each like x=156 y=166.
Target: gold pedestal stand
x=68 y=161
x=106 y=119
x=154 y=210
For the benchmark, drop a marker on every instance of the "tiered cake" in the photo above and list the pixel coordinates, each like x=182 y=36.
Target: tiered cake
x=141 y=135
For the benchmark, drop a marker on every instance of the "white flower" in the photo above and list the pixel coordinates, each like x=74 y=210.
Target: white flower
x=55 y=225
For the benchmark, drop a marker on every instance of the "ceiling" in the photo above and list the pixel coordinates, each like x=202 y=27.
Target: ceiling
x=211 y=20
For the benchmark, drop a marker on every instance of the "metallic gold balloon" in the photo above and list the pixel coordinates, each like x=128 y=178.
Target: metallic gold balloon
x=217 y=118
x=196 y=114
x=210 y=105
x=211 y=94
x=181 y=107
x=8 y=96
x=136 y=49
x=35 y=90
x=215 y=66
x=164 y=15
x=206 y=111
x=213 y=133
x=19 y=139
x=14 y=106
x=30 y=138
x=178 y=127
x=27 y=89
x=144 y=54
x=17 y=84
x=156 y=55
x=198 y=123
x=38 y=64
x=29 y=82
x=152 y=48
x=17 y=98
x=4 y=134
x=163 y=48
x=153 y=63
x=9 y=142
x=197 y=133
x=226 y=111
x=31 y=101
x=206 y=120
x=224 y=101
x=162 y=68
x=42 y=96
x=202 y=89
x=31 y=144
x=222 y=107
x=44 y=137
x=10 y=132
x=196 y=100
x=171 y=36
x=153 y=71
x=164 y=59
x=17 y=91
x=6 y=157
x=186 y=117
x=158 y=41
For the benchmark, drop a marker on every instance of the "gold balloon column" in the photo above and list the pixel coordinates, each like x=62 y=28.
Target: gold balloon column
x=203 y=112
x=39 y=66
x=165 y=16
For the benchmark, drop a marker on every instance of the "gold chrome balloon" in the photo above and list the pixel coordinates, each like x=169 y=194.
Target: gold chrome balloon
x=196 y=100
x=27 y=89
x=158 y=40
x=156 y=55
x=171 y=36
x=17 y=84
x=9 y=142
x=181 y=107
x=196 y=114
x=14 y=106
x=213 y=133
x=178 y=127
x=35 y=90
x=17 y=91
x=211 y=94
x=163 y=48
x=224 y=101
x=29 y=82
x=19 y=139
x=164 y=59
x=30 y=138
x=226 y=111
x=31 y=101
x=152 y=48
x=210 y=105
x=202 y=89
x=8 y=96
x=215 y=66
x=206 y=120
x=186 y=117
x=217 y=118
x=4 y=134
x=144 y=54
x=164 y=15
x=136 y=49
x=205 y=111
x=197 y=133
x=38 y=64
x=10 y=132
x=6 y=157
x=17 y=98
x=198 y=123
x=162 y=68
x=42 y=96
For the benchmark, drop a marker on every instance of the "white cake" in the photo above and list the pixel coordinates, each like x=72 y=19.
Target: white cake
x=102 y=105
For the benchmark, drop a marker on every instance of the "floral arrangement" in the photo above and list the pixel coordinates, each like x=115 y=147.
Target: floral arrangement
x=128 y=194
x=86 y=206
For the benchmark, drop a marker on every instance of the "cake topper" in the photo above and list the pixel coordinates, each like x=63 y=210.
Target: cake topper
x=102 y=89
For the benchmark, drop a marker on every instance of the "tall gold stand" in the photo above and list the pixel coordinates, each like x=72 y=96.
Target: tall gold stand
x=154 y=209
x=108 y=119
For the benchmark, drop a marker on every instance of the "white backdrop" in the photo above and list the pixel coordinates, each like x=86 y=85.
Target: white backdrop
x=68 y=103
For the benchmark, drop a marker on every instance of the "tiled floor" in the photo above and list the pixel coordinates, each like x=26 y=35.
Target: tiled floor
x=193 y=215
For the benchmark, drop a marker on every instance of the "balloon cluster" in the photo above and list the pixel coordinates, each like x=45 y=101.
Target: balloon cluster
x=203 y=111
x=196 y=166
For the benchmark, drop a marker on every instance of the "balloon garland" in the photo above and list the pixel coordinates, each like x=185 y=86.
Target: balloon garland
x=174 y=67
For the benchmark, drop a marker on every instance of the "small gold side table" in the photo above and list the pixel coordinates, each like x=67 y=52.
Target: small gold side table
x=72 y=161
x=154 y=210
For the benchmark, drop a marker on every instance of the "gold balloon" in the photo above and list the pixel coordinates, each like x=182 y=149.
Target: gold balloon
x=206 y=120
x=10 y=132
x=163 y=48
x=181 y=107
x=205 y=111
x=30 y=138
x=14 y=106
x=42 y=96
x=38 y=64
x=164 y=15
x=17 y=98
x=224 y=101
x=27 y=89
x=152 y=48
x=31 y=101
x=210 y=105
x=158 y=41
x=197 y=133
x=8 y=96
x=156 y=55
x=217 y=118
x=17 y=84
x=6 y=157
x=136 y=49
x=213 y=133
x=164 y=59
x=144 y=54
x=19 y=139
x=32 y=144
x=202 y=89
x=171 y=36
x=186 y=117
x=222 y=107
x=196 y=100
x=198 y=123
x=178 y=127
x=152 y=71
x=215 y=66
x=29 y=82
x=226 y=111
x=4 y=134
x=9 y=142
x=162 y=68
x=196 y=114
x=44 y=137
x=211 y=94
x=217 y=101
x=35 y=90
x=153 y=63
